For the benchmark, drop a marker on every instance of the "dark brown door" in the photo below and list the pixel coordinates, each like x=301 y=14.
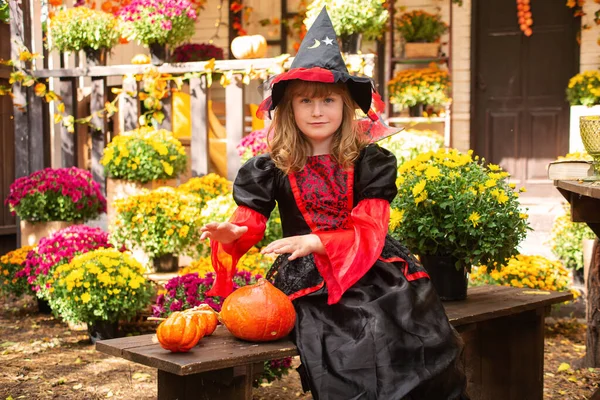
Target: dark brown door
x=520 y=116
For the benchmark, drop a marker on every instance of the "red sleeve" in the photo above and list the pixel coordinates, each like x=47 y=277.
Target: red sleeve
x=352 y=252
x=226 y=256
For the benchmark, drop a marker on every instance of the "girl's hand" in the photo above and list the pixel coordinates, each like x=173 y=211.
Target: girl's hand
x=297 y=246
x=223 y=232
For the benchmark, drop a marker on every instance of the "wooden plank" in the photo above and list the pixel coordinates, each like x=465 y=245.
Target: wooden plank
x=128 y=105
x=98 y=130
x=68 y=140
x=5 y=71
x=37 y=146
x=199 y=115
x=584 y=188
x=218 y=351
x=234 y=97
x=487 y=302
x=585 y=209
x=177 y=68
x=222 y=350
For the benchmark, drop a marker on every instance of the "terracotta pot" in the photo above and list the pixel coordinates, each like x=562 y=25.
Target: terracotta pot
x=421 y=50
x=449 y=283
x=120 y=188
x=32 y=232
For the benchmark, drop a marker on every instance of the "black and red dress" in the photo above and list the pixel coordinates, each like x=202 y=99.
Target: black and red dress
x=369 y=323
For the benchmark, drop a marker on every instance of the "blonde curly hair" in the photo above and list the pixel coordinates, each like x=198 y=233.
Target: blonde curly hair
x=290 y=148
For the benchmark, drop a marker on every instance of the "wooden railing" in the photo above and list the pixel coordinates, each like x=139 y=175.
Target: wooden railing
x=129 y=107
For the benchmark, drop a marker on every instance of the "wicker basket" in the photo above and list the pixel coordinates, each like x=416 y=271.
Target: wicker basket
x=421 y=50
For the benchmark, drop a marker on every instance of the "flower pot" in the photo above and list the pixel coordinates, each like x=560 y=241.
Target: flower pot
x=95 y=57
x=449 y=283
x=32 y=232
x=102 y=330
x=416 y=110
x=43 y=306
x=421 y=50
x=166 y=263
x=351 y=43
x=120 y=188
x=158 y=53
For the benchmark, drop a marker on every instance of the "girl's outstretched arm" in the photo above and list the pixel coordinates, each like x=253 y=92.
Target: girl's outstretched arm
x=223 y=232
x=297 y=246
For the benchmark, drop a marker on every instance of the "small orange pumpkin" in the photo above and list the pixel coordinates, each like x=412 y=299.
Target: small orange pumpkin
x=258 y=313
x=180 y=332
x=249 y=46
x=209 y=316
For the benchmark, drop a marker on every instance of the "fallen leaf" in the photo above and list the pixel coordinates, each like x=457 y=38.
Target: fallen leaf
x=77 y=361
x=534 y=292
x=78 y=386
x=572 y=379
x=563 y=367
x=549 y=374
x=109 y=394
x=140 y=376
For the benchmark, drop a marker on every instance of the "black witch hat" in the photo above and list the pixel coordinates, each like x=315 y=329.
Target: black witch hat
x=319 y=60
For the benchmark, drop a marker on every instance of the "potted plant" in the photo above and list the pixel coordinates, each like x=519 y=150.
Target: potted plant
x=51 y=199
x=187 y=291
x=10 y=264
x=207 y=187
x=454 y=212
x=583 y=94
x=158 y=24
x=55 y=250
x=141 y=158
x=351 y=19
x=99 y=288
x=81 y=28
x=523 y=271
x=421 y=32
x=197 y=52
x=163 y=223
x=412 y=142
x=417 y=88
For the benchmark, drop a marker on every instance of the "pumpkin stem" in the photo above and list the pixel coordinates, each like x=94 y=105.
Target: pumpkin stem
x=155 y=319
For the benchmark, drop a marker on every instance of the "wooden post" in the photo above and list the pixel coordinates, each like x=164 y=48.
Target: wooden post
x=199 y=114
x=98 y=130
x=68 y=140
x=234 y=122
x=128 y=105
x=167 y=109
x=592 y=343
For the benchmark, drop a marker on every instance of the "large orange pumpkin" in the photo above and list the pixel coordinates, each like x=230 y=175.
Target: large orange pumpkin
x=258 y=313
x=180 y=331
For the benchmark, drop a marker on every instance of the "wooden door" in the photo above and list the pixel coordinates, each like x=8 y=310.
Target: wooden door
x=520 y=117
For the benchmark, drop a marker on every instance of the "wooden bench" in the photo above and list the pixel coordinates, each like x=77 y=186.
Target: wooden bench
x=502 y=327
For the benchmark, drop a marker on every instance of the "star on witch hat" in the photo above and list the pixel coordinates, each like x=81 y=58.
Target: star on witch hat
x=319 y=60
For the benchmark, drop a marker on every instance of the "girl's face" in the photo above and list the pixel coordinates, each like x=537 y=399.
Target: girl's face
x=318 y=117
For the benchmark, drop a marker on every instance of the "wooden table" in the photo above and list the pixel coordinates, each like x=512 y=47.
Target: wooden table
x=503 y=330
x=584 y=198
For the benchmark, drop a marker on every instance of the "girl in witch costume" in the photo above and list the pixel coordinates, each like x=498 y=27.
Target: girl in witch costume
x=369 y=323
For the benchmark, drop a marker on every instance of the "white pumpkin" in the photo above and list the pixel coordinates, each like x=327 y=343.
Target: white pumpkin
x=250 y=46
